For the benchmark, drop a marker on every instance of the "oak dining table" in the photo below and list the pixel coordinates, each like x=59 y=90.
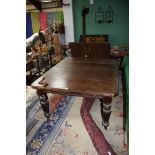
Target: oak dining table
x=84 y=77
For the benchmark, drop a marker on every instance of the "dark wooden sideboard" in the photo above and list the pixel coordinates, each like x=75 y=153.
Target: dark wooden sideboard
x=94 y=38
x=90 y=50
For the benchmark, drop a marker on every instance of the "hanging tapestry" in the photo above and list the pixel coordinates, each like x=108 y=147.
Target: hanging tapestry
x=51 y=19
x=54 y=20
x=28 y=25
x=35 y=22
x=43 y=20
x=59 y=17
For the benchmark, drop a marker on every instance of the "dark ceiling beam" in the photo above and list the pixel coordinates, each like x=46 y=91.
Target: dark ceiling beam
x=37 y=4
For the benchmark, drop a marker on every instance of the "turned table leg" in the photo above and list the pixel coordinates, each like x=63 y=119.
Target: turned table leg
x=44 y=103
x=105 y=110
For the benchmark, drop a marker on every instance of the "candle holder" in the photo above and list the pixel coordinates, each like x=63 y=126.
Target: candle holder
x=109 y=15
x=99 y=16
x=104 y=17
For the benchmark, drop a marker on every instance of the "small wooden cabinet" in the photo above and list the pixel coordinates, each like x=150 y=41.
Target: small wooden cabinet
x=90 y=50
x=93 y=38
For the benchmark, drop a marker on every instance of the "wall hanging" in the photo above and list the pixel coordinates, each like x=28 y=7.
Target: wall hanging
x=109 y=15
x=104 y=17
x=99 y=16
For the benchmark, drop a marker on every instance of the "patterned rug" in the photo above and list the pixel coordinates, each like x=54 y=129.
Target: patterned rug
x=100 y=143
x=69 y=133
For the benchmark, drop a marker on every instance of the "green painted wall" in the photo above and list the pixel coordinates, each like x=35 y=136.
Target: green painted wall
x=118 y=31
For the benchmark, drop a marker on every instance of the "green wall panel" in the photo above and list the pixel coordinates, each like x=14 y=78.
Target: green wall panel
x=118 y=31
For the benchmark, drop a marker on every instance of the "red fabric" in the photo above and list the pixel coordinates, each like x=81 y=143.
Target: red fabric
x=97 y=137
x=61 y=28
x=43 y=19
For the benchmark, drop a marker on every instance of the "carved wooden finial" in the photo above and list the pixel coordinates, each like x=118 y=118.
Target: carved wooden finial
x=43 y=82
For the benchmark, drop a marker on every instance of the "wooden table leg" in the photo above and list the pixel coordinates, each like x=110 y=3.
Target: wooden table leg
x=105 y=110
x=44 y=103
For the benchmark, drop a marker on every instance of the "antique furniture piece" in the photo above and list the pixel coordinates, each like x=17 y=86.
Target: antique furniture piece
x=119 y=53
x=29 y=63
x=36 y=65
x=93 y=38
x=43 y=52
x=90 y=50
x=86 y=77
x=29 y=68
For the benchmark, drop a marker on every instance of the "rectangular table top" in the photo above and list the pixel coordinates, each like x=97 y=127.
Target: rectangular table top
x=81 y=77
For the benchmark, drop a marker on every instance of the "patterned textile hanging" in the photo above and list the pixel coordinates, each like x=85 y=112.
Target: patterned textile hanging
x=35 y=22
x=50 y=19
x=59 y=17
x=28 y=25
x=43 y=20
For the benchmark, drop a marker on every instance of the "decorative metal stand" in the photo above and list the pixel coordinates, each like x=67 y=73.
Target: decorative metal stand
x=84 y=12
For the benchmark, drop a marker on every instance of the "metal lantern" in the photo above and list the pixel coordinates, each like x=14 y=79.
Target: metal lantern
x=109 y=15
x=99 y=16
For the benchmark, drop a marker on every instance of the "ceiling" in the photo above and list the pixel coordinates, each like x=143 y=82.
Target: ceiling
x=41 y=4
